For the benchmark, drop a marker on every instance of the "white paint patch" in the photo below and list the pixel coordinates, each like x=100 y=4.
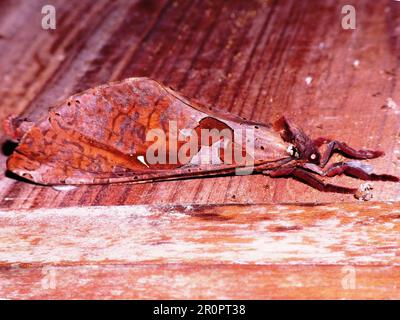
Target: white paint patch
x=297 y=211
x=308 y=80
x=356 y=63
x=64 y=187
x=141 y=159
x=274 y=211
x=333 y=222
x=392 y=105
x=331 y=208
x=352 y=214
x=375 y=207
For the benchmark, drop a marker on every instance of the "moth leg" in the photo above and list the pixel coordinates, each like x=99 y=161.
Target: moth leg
x=346 y=151
x=308 y=178
x=357 y=170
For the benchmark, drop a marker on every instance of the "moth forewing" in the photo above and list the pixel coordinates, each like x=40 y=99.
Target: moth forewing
x=104 y=135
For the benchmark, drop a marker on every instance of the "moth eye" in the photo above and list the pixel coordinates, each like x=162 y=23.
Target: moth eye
x=292 y=150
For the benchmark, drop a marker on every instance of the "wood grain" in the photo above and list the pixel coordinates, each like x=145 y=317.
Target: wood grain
x=325 y=234
x=181 y=281
x=249 y=57
x=201 y=252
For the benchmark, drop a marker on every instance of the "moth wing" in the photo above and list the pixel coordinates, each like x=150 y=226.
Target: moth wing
x=53 y=156
x=99 y=136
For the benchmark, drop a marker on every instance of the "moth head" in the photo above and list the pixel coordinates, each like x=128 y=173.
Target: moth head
x=15 y=127
x=301 y=146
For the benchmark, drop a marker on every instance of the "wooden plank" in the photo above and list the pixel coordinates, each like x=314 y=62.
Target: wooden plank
x=257 y=234
x=251 y=57
x=277 y=251
x=188 y=281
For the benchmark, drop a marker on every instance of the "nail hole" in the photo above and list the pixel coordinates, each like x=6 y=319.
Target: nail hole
x=77 y=101
x=262 y=147
x=256 y=127
x=69 y=103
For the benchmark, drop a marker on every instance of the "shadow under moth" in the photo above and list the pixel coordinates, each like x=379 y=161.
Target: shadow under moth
x=139 y=130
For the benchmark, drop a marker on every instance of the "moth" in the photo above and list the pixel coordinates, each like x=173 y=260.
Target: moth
x=104 y=135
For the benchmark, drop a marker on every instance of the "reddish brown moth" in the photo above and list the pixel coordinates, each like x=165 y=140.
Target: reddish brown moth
x=100 y=136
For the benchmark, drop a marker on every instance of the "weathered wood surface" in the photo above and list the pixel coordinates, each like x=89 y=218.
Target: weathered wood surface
x=201 y=252
x=184 y=281
x=249 y=57
x=326 y=234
